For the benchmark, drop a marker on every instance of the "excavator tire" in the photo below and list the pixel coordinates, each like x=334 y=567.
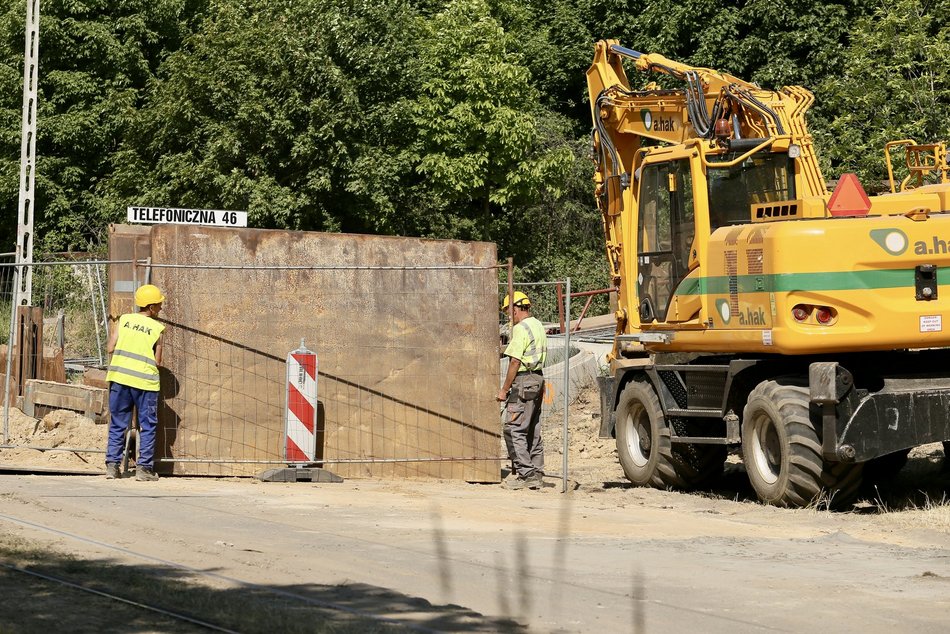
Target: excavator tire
x=781 y=450
x=643 y=439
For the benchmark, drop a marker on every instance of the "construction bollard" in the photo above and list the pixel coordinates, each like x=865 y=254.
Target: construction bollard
x=301 y=416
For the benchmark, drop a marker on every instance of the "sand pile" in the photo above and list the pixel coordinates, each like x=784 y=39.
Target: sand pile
x=59 y=429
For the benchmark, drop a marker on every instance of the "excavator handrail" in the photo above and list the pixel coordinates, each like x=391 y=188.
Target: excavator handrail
x=768 y=142
x=890 y=169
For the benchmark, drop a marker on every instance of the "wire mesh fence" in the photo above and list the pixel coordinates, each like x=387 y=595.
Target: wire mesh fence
x=72 y=290
x=406 y=387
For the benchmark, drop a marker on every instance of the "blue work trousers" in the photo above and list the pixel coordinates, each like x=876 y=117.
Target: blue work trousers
x=122 y=399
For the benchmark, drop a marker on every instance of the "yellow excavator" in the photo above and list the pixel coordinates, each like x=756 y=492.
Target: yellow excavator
x=756 y=307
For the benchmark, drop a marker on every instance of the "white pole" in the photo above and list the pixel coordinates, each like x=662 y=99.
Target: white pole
x=23 y=291
x=567 y=382
x=26 y=209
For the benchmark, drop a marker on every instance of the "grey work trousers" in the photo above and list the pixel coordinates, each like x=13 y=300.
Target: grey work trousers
x=523 y=425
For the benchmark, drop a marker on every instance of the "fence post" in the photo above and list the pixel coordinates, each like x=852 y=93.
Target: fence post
x=567 y=381
x=560 y=307
x=6 y=381
x=511 y=290
x=95 y=315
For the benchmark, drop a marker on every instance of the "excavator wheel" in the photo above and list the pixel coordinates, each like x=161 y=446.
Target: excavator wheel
x=781 y=449
x=643 y=438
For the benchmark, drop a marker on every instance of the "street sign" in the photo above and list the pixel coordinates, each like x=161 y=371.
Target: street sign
x=174 y=216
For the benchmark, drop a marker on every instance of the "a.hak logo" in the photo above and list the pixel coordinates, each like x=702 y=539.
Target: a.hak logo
x=722 y=306
x=660 y=124
x=751 y=316
x=647 y=118
x=894 y=241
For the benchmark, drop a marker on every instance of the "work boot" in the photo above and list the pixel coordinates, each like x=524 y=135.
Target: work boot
x=515 y=484
x=535 y=480
x=112 y=471
x=143 y=474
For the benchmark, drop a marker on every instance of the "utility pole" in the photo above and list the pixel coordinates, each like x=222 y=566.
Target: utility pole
x=23 y=295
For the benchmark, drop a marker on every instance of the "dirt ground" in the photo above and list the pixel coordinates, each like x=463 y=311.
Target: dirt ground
x=592 y=461
x=454 y=556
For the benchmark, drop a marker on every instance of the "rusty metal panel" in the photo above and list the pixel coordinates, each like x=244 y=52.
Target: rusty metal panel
x=408 y=358
x=126 y=242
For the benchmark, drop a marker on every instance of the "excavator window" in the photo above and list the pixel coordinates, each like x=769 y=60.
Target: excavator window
x=665 y=230
x=762 y=178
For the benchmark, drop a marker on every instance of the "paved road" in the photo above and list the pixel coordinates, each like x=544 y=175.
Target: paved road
x=458 y=557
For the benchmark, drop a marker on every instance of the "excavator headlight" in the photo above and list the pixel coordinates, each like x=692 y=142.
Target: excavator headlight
x=794 y=151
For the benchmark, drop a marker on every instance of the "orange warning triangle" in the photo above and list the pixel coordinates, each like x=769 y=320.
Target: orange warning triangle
x=849 y=198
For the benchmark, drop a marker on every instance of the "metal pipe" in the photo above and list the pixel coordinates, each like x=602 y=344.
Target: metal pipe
x=102 y=303
x=580 y=317
x=567 y=386
x=535 y=283
x=599 y=291
x=261 y=267
x=560 y=307
x=67 y=263
x=95 y=316
x=69 y=449
x=325 y=460
x=511 y=294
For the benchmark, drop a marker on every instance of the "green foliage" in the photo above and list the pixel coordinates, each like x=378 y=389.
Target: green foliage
x=435 y=118
x=895 y=85
x=96 y=60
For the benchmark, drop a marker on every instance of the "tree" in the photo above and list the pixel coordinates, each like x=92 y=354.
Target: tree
x=894 y=84
x=478 y=122
x=96 y=61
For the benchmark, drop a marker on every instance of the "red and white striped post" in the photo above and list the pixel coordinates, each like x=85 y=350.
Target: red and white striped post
x=301 y=417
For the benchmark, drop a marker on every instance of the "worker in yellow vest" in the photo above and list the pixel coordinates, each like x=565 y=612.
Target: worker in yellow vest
x=136 y=350
x=523 y=390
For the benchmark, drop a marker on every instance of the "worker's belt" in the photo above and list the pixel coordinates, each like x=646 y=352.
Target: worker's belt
x=530 y=372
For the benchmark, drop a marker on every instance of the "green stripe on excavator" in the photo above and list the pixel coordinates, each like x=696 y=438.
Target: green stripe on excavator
x=787 y=282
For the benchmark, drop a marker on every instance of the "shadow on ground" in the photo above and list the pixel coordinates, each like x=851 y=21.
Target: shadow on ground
x=41 y=604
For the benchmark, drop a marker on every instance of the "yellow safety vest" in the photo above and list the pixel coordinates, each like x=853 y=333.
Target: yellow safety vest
x=528 y=344
x=133 y=361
